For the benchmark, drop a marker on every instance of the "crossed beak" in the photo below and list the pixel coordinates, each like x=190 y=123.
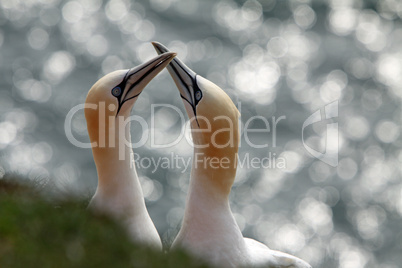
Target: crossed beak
x=138 y=77
x=184 y=78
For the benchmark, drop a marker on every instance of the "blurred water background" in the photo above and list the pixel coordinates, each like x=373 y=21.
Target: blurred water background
x=274 y=58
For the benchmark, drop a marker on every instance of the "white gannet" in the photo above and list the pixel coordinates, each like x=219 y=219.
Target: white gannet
x=107 y=106
x=209 y=229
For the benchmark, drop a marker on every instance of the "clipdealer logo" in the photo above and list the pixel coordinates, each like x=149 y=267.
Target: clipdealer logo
x=327 y=113
x=331 y=149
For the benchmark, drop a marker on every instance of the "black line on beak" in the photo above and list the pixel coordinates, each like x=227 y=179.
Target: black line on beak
x=192 y=75
x=123 y=83
x=193 y=79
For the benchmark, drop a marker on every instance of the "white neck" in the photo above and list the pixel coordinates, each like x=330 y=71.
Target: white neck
x=208 y=220
x=119 y=192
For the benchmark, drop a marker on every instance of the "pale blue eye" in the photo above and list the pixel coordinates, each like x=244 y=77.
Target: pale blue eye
x=198 y=95
x=116 y=91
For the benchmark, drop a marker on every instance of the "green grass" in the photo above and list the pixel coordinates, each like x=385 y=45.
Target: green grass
x=38 y=232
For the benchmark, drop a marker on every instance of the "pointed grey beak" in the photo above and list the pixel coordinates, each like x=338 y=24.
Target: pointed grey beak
x=184 y=78
x=138 y=77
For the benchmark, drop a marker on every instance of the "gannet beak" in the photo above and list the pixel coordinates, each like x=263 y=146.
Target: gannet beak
x=138 y=77
x=184 y=78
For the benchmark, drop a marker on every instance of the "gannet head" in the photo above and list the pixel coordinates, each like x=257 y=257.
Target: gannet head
x=121 y=88
x=114 y=95
x=213 y=115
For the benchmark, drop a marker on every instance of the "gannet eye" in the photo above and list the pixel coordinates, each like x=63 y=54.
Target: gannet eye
x=198 y=95
x=116 y=91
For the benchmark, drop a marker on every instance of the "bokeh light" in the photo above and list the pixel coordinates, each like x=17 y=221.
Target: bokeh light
x=273 y=58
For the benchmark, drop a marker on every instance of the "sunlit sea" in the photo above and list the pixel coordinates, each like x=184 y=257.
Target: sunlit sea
x=281 y=62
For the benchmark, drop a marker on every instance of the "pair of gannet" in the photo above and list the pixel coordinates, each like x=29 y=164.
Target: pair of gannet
x=209 y=230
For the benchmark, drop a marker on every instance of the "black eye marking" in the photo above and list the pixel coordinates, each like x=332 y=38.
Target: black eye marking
x=197 y=91
x=198 y=95
x=116 y=91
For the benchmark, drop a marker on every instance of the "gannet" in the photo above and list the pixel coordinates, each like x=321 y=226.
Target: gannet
x=209 y=229
x=107 y=107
